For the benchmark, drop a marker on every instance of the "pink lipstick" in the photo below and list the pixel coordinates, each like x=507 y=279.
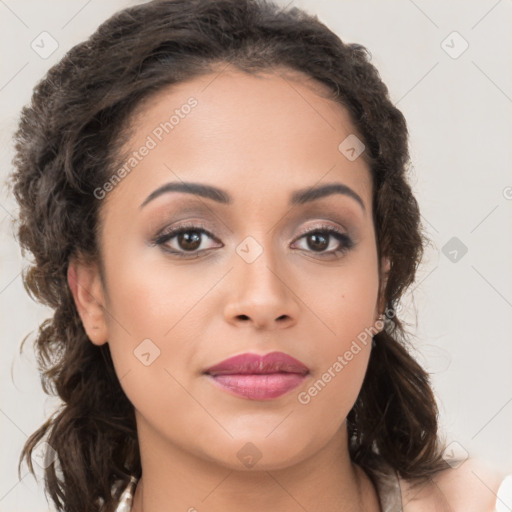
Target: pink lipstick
x=258 y=377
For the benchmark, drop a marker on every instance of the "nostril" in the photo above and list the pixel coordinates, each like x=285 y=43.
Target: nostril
x=243 y=317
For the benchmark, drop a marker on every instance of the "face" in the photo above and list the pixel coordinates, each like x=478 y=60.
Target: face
x=260 y=265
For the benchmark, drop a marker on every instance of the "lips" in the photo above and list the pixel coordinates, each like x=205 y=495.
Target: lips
x=254 y=364
x=258 y=377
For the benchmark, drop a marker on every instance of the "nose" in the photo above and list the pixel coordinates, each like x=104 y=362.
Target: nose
x=262 y=294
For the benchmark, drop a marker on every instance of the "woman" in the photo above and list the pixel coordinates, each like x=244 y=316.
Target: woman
x=215 y=194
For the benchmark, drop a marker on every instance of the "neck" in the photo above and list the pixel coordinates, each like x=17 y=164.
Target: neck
x=176 y=480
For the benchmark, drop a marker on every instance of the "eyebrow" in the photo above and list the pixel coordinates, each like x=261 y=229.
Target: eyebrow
x=221 y=196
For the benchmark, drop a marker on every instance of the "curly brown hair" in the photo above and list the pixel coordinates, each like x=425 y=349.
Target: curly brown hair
x=67 y=145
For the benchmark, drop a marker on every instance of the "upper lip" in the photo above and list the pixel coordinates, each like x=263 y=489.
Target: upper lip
x=248 y=363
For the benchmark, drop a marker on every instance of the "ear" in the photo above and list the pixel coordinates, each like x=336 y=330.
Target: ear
x=87 y=289
x=384 y=272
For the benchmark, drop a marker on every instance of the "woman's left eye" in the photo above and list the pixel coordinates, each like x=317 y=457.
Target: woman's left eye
x=187 y=241
x=327 y=241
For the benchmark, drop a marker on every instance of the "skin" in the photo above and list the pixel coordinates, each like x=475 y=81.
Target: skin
x=259 y=138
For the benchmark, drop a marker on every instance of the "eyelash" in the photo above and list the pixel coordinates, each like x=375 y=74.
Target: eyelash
x=163 y=237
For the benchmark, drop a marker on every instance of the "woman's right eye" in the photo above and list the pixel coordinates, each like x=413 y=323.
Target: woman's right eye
x=184 y=241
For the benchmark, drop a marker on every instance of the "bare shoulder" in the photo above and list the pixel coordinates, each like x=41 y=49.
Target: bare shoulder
x=470 y=487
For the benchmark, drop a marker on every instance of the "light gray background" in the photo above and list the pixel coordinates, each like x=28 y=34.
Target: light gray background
x=459 y=116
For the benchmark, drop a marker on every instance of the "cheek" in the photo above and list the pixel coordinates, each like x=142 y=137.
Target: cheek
x=150 y=294
x=342 y=346
x=344 y=305
x=156 y=313
x=343 y=299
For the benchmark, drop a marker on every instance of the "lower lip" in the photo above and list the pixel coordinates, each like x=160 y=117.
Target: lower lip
x=259 y=387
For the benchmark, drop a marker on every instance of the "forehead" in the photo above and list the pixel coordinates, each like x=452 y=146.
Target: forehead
x=267 y=132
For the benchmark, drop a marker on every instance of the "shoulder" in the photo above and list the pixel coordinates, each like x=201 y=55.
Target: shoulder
x=470 y=487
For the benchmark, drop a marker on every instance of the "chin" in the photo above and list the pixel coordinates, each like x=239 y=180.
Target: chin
x=257 y=453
